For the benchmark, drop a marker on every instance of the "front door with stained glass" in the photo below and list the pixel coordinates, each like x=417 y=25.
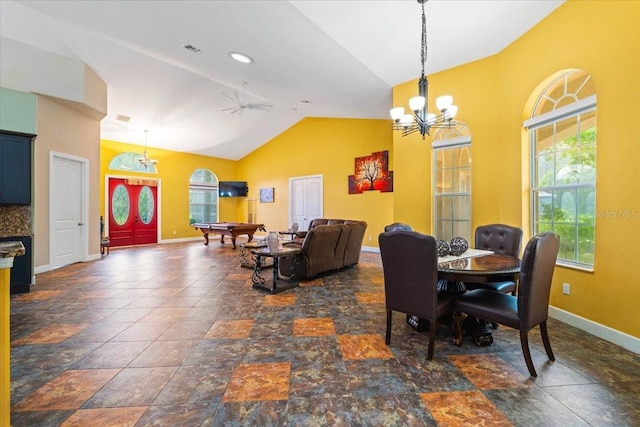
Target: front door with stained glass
x=132 y=213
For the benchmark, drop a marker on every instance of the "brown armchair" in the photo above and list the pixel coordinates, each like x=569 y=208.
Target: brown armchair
x=409 y=262
x=501 y=239
x=524 y=312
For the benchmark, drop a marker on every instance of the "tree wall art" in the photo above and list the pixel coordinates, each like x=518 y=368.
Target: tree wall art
x=371 y=173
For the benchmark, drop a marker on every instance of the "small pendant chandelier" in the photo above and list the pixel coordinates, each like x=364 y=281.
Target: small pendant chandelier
x=421 y=120
x=145 y=160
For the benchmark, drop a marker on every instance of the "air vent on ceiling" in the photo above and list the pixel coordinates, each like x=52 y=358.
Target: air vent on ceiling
x=122 y=118
x=191 y=48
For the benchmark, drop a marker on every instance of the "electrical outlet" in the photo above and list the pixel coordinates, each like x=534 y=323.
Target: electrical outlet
x=370 y=238
x=566 y=289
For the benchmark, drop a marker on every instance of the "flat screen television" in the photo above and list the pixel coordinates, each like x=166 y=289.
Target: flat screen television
x=232 y=189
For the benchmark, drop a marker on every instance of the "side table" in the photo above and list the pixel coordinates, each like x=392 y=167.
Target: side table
x=261 y=255
x=247 y=260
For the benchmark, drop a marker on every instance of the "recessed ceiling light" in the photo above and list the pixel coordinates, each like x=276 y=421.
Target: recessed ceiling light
x=191 y=48
x=241 y=57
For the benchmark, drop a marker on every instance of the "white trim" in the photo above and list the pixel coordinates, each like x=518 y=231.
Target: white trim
x=451 y=142
x=371 y=249
x=41 y=269
x=562 y=112
x=614 y=336
x=84 y=170
x=182 y=239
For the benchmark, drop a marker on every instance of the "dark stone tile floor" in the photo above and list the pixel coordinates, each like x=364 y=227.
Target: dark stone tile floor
x=175 y=335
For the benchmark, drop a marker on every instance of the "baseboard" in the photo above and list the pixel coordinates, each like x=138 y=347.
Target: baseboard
x=371 y=249
x=614 y=336
x=184 y=239
x=41 y=269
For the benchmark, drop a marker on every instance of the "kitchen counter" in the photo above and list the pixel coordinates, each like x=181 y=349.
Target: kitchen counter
x=11 y=249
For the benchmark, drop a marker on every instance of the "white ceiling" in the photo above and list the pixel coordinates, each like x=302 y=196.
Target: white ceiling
x=342 y=56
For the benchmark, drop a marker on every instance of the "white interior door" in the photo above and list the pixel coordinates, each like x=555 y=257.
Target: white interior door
x=305 y=200
x=67 y=207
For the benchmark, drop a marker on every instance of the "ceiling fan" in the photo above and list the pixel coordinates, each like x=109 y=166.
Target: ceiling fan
x=242 y=104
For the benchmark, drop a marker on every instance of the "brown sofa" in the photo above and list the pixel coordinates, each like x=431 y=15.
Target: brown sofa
x=328 y=245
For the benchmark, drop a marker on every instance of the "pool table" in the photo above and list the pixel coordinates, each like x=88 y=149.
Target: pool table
x=232 y=229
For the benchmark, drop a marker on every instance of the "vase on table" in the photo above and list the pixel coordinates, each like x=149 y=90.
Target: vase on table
x=272 y=241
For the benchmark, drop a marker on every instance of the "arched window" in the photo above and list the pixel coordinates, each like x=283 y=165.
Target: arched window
x=452 y=182
x=562 y=131
x=129 y=162
x=203 y=196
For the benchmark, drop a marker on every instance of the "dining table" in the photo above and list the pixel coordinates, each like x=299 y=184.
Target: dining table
x=476 y=267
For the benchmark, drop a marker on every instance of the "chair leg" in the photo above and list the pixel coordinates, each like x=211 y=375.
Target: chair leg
x=524 y=342
x=545 y=340
x=432 y=339
x=387 y=337
x=456 y=324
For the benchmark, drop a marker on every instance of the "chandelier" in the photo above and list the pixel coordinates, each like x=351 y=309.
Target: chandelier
x=421 y=120
x=145 y=160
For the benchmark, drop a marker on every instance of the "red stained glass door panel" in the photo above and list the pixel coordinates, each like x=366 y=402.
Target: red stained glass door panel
x=132 y=213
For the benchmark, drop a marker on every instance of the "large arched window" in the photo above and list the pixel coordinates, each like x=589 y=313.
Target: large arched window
x=562 y=131
x=452 y=182
x=203 y=196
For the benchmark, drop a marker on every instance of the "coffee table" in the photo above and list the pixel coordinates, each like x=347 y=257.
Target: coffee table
x=278 y=283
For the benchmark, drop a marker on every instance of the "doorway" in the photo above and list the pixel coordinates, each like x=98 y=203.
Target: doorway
x=133 y=211
x=68 y=204
x=305 y=200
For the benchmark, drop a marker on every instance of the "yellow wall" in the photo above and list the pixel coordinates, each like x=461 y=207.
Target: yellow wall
x=602 y=38
x=174 y=170
x=327 y=147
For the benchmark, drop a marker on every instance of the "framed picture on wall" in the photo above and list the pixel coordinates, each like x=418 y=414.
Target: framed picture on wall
x=266 y=195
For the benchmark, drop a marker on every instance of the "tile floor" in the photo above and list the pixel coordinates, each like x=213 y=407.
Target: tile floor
x=174 y=335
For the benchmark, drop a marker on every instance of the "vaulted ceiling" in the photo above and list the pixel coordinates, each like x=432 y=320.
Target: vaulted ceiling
x=311 y=58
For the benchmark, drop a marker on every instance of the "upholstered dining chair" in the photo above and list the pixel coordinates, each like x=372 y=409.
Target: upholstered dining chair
x=501 y=239
x=397 y=226
x=526 y=310
x=409 y=263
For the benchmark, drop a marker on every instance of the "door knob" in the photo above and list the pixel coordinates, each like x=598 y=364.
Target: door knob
x=81 y=223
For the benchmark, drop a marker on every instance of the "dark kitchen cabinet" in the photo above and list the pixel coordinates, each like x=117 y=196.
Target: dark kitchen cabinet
x=15 y=169
x=21 y=271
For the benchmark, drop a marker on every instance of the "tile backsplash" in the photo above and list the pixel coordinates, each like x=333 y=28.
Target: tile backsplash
x=15 y=220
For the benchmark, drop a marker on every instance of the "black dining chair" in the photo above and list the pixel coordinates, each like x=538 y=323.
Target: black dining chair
x=409 y=263
x=526 y=310
x=397 y=226
x=501 y=239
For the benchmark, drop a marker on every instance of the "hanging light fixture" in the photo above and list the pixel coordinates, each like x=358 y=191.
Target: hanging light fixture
x=421 y=120
x=145 y=160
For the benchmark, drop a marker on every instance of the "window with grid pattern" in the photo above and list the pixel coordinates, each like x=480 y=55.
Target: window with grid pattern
x=203 y=196
x=452 y=182
x=563 y=137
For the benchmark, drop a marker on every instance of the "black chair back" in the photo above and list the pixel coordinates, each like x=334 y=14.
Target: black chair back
x=536 y=273
x=409 y=264
x=409 y=261
x=397 y=226
x=500 y=238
